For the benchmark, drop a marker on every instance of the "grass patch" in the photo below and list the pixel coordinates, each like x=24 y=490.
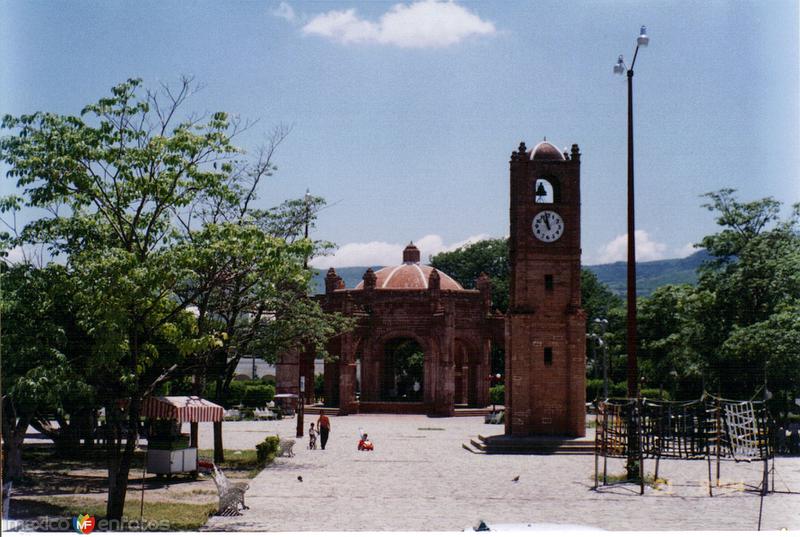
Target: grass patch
x=237 y=460
x=46 y=457
x=649 y=480
x=164 y=516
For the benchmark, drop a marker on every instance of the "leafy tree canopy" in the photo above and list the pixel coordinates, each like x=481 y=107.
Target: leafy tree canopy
x=736 y=330
x=166 y=259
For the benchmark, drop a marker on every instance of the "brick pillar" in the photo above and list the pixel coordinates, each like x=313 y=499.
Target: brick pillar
x=484 y=370
x=347 y=376
x=577 y=373
x=520 y=353
x=370 y=387
x=445 y=366
x=307 y=370
x=332 y=374
x=287 y=373
x=332 y=383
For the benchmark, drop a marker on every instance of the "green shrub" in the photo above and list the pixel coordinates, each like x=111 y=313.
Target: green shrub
x=268 y=379
x=654 y=393
x=235 y=393
x=497 y=394
x=319 y=385
x=267 y=450
x=257 y=395
x=620 y=389
x=594 y=389
x=250 y=393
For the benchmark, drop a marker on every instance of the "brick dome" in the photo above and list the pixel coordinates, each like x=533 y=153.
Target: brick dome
x=545 y=151
x=410 y=275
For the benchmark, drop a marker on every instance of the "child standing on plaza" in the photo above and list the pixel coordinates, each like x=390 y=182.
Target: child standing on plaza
x=312 y=436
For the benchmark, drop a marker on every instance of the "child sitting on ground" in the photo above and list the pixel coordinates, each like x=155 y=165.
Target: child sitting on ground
x=312 y=437
x=364 y=444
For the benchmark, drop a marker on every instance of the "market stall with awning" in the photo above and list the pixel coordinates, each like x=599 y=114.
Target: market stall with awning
x=169 y=451
x=182 y=408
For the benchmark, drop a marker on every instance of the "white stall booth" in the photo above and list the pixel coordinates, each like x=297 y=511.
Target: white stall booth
x=168 y=451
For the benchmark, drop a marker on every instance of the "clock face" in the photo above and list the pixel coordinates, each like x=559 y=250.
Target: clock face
x=548 y=226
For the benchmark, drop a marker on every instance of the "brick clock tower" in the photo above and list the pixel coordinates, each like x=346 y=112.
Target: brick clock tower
x=545 y=326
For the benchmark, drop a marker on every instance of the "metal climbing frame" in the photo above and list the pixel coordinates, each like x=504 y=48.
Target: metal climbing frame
x=708 y=428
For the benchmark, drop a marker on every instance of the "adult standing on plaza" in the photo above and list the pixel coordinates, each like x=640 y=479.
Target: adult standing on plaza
x=324 y=426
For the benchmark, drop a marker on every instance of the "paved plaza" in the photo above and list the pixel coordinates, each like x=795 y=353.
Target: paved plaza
x=419 y=478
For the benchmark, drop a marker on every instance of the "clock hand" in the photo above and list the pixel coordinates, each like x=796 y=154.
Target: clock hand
x=547 y=220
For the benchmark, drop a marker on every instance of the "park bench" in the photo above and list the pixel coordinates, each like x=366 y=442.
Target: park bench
x=231 y=495
x=232 y=414
x=494 y=417
x=6 y=499
x=265 y=414
x=286 y=448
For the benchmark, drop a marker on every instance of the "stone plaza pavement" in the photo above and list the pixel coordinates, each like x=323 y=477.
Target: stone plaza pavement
x=419 y=478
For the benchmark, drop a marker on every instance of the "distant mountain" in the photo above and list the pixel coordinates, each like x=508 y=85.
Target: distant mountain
x=350 y=275
x=649 y=274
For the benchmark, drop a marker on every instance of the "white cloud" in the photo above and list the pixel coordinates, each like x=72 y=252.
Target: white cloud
x=421 y=24
x=16 y=255
x=285 y=11
x=686 y=250
x=378 y=253
x=647 y=249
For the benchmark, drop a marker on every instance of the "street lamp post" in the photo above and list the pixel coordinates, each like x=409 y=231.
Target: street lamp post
x=301 y=399
x=633 y=368
x=633 y=465
x=602 y=324
x=307 y=200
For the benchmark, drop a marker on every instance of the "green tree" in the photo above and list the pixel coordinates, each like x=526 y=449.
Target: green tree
x=465 y=264
x=664 y=359
x=255 y=287
x=597 y=299
x=114 y=179
x=748 y=290
x=37 y=374
x=736 y=331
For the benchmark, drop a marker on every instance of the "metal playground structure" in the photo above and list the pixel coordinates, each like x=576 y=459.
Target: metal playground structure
x=710 y=428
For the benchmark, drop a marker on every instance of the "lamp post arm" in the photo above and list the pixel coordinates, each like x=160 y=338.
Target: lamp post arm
x=635 y=52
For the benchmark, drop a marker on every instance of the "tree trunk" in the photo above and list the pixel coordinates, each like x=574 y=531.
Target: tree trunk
x=67 y=439
x=219 y=453
x=14 y=430
x=120 y=459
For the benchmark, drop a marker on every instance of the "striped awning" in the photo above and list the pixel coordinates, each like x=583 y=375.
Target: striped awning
x=181 y=408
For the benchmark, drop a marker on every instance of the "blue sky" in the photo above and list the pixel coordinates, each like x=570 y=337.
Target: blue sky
x=404 y=114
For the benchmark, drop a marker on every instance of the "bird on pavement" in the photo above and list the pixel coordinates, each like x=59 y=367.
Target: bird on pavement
x=300 y=478
x=515 y=479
